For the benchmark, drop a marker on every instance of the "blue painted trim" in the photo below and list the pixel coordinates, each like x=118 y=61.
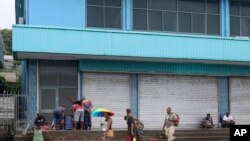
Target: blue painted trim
x=124 y=14
x=84 y=13
x=223 y=96
x=27 y=11
x=134 y=94
x=32 y=96
x=225 y=18
x=162 y=67
x=24 y=86
x=129 y=44
x=127 y=15
x=27 y=77
x=24 y=77
x=81 y=85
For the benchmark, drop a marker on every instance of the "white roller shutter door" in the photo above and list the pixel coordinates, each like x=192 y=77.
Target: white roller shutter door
x=192 y=97
x=240 y=99
x=108 y=91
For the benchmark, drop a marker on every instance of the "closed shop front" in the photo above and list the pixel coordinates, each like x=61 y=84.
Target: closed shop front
x=108 y=90
x=192 y=97
x=57 y=81
x=240 y=99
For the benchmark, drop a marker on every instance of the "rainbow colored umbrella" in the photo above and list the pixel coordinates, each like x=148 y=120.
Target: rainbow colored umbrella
x=99 y=112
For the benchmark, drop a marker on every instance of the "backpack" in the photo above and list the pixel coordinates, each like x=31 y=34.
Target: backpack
x=176 y=123
x=139 y=126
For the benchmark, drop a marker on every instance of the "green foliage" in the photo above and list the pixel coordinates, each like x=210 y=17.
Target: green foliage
x=2 y=79
x=2 y=83
x=7 y=38
x=17 y=62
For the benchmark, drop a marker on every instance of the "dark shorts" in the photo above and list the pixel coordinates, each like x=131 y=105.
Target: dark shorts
x=58 y=117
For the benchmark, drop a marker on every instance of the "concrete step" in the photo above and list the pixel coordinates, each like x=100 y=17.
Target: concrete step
x=6 y=138
x=182 y=135
x=189 y=131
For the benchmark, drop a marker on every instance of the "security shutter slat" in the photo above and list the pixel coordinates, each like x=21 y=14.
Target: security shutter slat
x=189 y=96
x=110 y=91
x=240 y=99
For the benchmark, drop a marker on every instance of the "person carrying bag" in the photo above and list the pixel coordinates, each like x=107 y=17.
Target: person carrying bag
x=108 y=133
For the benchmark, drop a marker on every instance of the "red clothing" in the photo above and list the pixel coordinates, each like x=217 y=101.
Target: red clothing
x=76 y=107
x=129 y=138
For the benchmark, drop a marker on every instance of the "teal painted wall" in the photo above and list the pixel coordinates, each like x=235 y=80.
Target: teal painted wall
x=69 y=13
x=129 y=44
x=158 y=67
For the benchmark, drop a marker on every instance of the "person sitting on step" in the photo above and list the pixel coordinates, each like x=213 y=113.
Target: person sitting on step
x=228 y=120
x=208 y=121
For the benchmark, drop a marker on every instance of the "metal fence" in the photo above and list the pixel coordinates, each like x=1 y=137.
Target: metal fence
x=13 y=113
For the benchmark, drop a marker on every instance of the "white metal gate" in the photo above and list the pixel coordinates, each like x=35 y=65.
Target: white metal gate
x=13 y=113
x=109 y=91
x=192 y=97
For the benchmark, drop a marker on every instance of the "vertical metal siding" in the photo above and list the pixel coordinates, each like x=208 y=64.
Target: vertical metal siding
x=129 y=44
x=134 y=94
x=162 y=67
x=109 y=91
x=240 y=99
x=192 y=97
x=32 y=83
x=223 y=94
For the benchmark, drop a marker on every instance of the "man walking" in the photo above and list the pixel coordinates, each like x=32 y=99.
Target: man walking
x=169 y=127
x=130 y=123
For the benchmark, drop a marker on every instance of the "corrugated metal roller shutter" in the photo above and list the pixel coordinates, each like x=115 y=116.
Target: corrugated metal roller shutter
x=240 y=99
x=110 y=91
x=192 y=97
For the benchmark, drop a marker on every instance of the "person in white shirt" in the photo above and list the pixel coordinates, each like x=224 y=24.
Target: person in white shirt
x=228 y=120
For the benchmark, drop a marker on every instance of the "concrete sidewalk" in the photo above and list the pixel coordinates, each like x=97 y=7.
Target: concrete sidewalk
x=180 y=134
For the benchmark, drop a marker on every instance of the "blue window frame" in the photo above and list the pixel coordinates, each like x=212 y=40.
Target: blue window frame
x=188 y=16
x=240 y=18
x=104 y=13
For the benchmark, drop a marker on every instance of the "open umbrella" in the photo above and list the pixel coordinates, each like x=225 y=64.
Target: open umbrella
x=99 y=112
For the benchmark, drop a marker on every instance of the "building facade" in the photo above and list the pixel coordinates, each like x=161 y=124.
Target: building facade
x=147 y=55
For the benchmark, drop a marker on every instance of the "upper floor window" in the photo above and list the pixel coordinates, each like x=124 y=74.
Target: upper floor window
x=240 y=17
x=104 y=13
x=190 y=16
